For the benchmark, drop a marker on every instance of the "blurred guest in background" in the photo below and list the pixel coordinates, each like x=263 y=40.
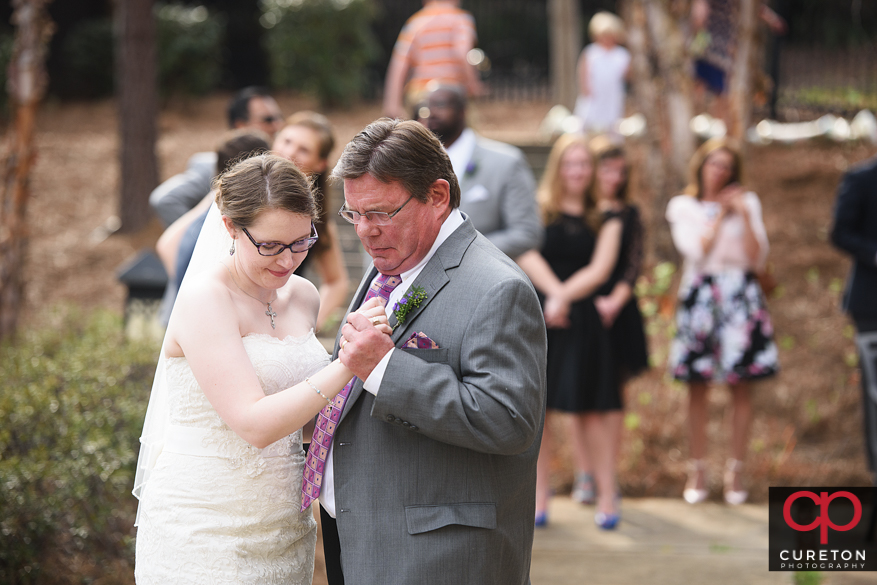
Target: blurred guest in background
x=251 y=107
x=498 y=189
x=855 y=232
x=584 y=236
x=723 y=330
x=603 y=70
x=432 y=46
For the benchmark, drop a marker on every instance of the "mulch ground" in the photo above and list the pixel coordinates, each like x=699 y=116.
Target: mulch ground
x=807 y=420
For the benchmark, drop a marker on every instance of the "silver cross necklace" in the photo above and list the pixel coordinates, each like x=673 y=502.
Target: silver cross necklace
x=270 y=312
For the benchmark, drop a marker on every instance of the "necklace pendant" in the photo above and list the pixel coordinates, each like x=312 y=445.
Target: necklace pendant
x=270 y=312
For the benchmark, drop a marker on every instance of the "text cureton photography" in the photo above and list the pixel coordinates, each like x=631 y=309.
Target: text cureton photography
x=822 y=529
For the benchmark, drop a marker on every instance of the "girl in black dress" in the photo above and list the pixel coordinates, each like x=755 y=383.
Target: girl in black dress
x=580 y=254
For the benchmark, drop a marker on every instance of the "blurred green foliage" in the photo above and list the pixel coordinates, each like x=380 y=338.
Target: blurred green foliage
x=322 y=47
x=72 y=401
x=188 y=40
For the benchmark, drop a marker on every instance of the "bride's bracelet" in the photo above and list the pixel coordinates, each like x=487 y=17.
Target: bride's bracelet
x=317 y=390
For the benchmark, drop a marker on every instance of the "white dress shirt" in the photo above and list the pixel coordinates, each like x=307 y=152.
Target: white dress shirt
x=373 y=383
x=460 y=152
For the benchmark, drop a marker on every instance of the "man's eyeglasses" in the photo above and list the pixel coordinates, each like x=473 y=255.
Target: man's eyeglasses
x=275 y=248
x=375 y=217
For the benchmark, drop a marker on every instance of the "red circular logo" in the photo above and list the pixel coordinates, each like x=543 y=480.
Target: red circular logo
x=823 y=522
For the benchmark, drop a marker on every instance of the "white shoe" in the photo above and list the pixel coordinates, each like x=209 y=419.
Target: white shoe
x=694 y=495
x=733 y=467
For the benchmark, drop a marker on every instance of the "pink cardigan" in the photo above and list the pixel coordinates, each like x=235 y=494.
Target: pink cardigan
x=690 y=219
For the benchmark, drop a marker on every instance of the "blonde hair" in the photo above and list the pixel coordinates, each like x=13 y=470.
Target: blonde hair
x=550 y=189
x=606 y=22
x=695 y=167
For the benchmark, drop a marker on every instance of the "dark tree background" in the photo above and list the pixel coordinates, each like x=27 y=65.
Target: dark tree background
x=138 y=110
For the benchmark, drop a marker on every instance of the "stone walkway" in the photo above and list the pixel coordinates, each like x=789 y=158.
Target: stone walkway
x=662 y=542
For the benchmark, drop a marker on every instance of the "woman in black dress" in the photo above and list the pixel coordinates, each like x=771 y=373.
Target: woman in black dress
x=579 y=255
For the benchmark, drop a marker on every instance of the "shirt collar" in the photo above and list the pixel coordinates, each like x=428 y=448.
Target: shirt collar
x=460 y=152
x=449 y=226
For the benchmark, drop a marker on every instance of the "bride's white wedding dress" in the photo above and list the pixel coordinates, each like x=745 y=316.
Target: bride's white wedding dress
x=217 y=509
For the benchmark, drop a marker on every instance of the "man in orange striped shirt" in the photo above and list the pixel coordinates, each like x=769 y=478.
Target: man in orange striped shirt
x=432 y=45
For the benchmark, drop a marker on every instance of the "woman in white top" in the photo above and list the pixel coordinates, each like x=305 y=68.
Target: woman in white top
x=724 y=333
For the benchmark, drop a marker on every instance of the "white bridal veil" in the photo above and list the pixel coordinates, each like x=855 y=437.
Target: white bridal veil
x=212 y=246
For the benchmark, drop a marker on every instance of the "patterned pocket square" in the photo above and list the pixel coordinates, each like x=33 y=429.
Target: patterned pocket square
x=419 y=340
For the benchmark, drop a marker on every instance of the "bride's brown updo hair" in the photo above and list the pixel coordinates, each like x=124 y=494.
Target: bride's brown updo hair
x=262 y=182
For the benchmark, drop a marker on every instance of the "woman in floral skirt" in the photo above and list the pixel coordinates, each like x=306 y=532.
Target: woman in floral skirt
x=723 y=330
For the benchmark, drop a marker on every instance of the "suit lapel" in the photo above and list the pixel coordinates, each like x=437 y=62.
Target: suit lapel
x=432 y=278
x=434 y=275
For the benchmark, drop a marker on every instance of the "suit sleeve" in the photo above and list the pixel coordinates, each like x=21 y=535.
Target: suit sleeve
x=497 y=403
x=520 y=213
x=849 y=232
x=182 y=192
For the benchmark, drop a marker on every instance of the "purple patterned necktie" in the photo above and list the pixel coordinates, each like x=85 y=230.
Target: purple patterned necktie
x=327 y=420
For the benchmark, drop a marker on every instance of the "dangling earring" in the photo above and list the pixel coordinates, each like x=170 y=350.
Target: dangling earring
x=231 y=250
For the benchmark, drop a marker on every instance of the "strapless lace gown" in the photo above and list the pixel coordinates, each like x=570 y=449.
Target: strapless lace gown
x=217 y=509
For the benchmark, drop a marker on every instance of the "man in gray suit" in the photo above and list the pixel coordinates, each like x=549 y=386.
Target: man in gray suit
x=498 y=192
x=251 y=107
x=430 y=476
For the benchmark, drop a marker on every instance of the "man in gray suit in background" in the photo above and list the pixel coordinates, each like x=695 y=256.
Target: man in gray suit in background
x=498 y=192
x=430 y=475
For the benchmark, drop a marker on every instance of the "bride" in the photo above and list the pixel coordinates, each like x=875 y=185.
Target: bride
x=240 y=373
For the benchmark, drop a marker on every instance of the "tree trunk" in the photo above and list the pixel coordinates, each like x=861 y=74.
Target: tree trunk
x=138 y=109
x=662 y=92
x=27 y=84
x=566 y=43
x=745 y=67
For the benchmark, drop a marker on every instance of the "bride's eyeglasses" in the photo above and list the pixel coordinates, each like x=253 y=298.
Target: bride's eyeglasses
x=275 y=248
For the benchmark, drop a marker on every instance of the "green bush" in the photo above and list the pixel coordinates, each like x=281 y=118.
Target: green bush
x=189 y=41
x=322 y=47
x=72 y=401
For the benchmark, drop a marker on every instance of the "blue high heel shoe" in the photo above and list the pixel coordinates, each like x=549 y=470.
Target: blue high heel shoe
x=541 y=520
x=607 y=521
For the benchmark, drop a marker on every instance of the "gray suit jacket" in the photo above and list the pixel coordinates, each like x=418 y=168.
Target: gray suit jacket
x=182 y=192
x=499 y=196
x=435 y=476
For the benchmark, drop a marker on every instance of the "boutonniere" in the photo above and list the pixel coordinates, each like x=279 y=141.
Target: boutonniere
x=470 y=168
x=410 y=301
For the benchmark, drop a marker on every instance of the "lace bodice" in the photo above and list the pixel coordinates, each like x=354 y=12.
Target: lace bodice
x=279 y=364
x=216 y=509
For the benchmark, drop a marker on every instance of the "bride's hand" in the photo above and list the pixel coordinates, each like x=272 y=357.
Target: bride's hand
x=375 y=312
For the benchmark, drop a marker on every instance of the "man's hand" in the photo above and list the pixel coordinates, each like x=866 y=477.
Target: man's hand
x=365 y=339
